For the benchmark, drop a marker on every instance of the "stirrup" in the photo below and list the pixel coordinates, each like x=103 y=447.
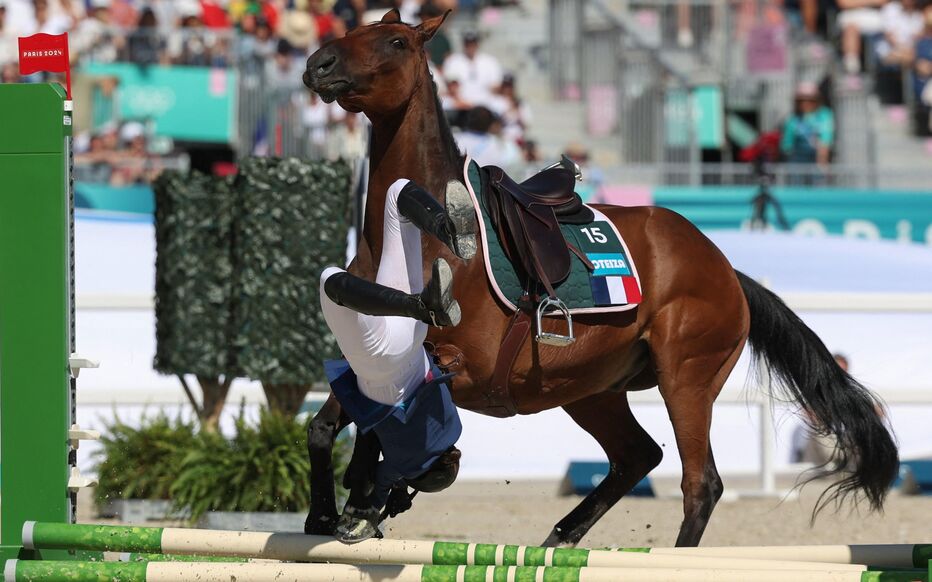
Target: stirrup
x=554 y=339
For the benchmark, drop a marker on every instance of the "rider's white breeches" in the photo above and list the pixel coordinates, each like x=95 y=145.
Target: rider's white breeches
x=385 y=352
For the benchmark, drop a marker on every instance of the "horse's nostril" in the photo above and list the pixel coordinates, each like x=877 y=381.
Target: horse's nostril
x=326 y=65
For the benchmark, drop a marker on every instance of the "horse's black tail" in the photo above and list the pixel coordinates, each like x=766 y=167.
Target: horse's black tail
x=837 y=404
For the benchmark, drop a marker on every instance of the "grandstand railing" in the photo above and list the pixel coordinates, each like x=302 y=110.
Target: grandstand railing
x=780 y=174
x=628 y=65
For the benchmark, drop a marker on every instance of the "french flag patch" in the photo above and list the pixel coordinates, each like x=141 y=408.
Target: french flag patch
x=615 y=290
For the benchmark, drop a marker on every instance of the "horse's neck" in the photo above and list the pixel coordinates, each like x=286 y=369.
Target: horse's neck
x=407 y=145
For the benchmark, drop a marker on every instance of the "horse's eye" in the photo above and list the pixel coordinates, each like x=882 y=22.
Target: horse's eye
x=398 y=43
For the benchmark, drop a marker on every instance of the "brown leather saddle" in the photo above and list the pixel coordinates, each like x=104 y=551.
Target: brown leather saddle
x=527 y=217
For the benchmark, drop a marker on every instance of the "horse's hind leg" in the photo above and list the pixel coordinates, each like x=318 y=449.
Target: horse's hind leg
x=632 y=454
x=689 y=383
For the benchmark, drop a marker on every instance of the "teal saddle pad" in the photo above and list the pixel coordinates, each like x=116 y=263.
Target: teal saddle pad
x=613 y=286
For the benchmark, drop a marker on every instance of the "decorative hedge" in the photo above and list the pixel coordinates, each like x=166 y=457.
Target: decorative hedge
x=291 y=224
x=194 y=268
x=238 y=266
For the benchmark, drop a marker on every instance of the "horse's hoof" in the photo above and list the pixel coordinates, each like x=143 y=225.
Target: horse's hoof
x=554 y=540
x=357 y=525
x=322 y=525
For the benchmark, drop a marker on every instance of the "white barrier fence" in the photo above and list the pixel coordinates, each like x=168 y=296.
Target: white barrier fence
x=807 y=303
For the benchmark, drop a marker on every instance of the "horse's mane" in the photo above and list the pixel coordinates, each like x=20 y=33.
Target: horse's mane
x=448 y=143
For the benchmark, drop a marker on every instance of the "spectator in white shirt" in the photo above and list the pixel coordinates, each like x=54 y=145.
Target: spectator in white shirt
x=479 y=74
x=48 y=21
x=857 y=18
x=902 y=25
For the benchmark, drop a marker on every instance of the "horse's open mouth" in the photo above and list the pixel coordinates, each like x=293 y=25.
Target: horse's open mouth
x=330 y=91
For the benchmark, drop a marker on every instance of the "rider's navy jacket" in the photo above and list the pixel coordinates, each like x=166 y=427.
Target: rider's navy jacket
x=413 y=434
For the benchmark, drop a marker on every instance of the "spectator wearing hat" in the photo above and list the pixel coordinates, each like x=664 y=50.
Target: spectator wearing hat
x=809 y=134
x=479 y=74
x=299 y=30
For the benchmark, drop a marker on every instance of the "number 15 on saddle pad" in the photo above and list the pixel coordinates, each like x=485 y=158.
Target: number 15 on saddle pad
x=612 y=281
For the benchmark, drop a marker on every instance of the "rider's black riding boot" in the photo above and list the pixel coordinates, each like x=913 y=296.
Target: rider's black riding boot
x=453 y=225
x=434 y=305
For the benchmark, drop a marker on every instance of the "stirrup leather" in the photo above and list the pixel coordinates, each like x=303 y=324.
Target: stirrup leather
x=554 y=339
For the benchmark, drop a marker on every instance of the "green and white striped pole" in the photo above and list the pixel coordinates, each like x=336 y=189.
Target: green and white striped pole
x=52 y=571
x=142 y=557
x=876 y=555
x=306 y=548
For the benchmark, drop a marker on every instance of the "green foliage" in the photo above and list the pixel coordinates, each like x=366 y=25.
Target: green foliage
x=291 y=224
x=142 y=463
x=194 y=275
x=264 y=467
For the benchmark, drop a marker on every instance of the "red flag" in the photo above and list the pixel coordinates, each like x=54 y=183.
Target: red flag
x=45 y=52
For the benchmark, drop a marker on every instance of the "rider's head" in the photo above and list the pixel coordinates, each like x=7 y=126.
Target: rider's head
x=440 y=475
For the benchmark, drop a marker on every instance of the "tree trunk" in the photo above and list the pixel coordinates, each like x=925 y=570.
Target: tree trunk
x=285 y=398
x=214 y=392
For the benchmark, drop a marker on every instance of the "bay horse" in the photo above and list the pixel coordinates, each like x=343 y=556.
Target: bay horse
x=685 y=337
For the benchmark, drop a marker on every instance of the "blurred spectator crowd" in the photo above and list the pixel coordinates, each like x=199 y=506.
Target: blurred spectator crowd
x=887 y=42
x=268 y=41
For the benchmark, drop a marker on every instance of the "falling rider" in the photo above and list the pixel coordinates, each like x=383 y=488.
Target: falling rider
x=387 y=383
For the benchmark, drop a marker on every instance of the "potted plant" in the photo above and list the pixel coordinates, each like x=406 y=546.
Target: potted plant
x=256 y=480
x=138 y=464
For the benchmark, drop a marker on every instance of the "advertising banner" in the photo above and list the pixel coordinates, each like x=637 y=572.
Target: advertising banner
x=871 y=214
x=195 y=104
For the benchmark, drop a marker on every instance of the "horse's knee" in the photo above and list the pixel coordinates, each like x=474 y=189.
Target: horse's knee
x=320 y=435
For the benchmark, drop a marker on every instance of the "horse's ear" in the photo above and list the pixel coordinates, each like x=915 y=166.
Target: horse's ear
x=391 y=16
x=429 y=27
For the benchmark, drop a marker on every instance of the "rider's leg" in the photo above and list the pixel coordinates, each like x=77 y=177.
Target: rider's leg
x=454 y=225
x=399 y=285
x=383 y=346
x=434 y=305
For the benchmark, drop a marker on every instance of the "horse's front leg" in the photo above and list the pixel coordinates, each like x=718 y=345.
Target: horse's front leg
x=360 y=517
x=321 y=433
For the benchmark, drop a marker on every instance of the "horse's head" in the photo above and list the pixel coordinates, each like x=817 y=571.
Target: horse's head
x=375 y=68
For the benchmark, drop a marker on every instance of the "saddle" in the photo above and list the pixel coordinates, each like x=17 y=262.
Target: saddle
x=527 y=218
